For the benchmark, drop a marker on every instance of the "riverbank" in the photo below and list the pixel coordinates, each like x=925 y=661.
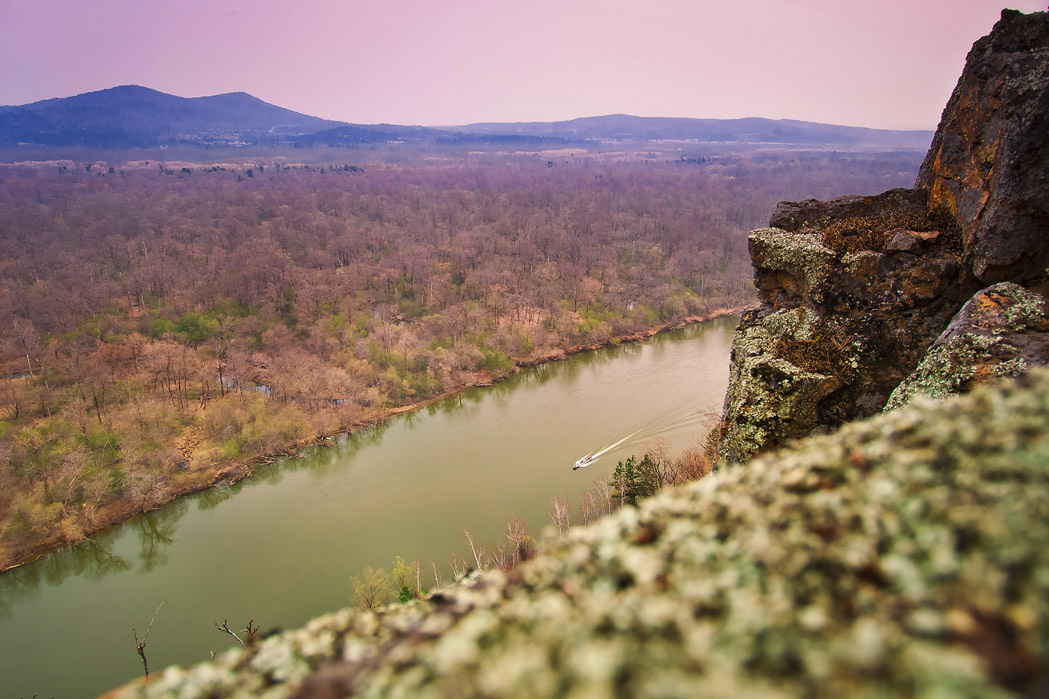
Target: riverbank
x=199 y=476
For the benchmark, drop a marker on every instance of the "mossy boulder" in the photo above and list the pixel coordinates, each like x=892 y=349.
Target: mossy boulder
x=1001 y=332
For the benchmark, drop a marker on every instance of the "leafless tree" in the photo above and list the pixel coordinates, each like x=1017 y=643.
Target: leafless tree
x=603 y=495
x=459 y=566
x=587 y=506
x=140 y=646
x=418 y=564
x=562 y=514
x=478 y=552
x=658 y=454
x=436 y=573
x=516 y=532
x=500 y=557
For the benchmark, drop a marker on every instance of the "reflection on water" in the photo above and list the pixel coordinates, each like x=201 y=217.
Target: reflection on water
x=94 y=558
x=282 y=546
x=156 y=531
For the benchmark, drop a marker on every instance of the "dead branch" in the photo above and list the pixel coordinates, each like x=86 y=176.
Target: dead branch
x=250 y=631
x=140 y=646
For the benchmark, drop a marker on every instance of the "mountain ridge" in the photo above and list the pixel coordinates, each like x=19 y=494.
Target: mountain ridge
x=751 y=129
x=138 y=116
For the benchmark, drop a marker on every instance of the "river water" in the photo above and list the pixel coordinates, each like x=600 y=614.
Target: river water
x=282 y=546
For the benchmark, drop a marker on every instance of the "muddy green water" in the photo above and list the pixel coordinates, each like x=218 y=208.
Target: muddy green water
x=282 y=546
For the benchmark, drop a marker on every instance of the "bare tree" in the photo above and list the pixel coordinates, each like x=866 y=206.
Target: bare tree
x=521 y=545
x=587 y=506
x=459 y=566
x=658 y=454
x=562 y=514
x=436 y=573
x=478 y=551
x=500 y=557
x=418 y=564
x=603 y=495
x=140 y=646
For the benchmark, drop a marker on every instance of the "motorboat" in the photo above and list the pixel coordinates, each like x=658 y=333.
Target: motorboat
x=584 y=462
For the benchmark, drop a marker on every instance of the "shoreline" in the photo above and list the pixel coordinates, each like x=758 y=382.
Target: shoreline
x=225 y=475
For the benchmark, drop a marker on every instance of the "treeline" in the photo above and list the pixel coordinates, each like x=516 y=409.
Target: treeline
x=162 y=326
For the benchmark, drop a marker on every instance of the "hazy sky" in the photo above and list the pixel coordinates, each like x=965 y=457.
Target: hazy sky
x=882 y=63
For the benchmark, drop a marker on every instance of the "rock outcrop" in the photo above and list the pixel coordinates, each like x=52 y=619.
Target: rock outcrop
x=859 y=295
x=906 y=555
x=989 y=161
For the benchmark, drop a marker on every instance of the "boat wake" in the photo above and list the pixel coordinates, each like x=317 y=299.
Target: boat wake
x=593 y=457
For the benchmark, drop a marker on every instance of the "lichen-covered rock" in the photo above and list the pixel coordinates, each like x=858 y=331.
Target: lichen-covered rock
x=773 y=398
x=902 y=556
x=789 y=268
x=886 y=274
x=1001 y=332
x=989 y=160
x=868 y=312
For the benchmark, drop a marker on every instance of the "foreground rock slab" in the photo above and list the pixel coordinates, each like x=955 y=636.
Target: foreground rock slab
x=904 y=555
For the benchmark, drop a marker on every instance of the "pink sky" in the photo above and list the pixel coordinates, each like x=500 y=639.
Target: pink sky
x=881 y=63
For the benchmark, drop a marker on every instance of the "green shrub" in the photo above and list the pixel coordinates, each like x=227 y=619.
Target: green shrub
x=632 y=480
x=197 y=327
x=161 y=327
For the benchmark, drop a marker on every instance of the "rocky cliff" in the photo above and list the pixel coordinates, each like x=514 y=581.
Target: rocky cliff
x=867 y=301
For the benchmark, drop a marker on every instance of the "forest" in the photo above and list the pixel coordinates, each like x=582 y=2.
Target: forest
x=166 y=326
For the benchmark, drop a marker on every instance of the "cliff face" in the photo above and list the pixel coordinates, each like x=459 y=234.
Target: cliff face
x=867 y=301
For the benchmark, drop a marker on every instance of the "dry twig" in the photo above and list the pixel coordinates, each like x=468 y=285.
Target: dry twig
x=140 y=646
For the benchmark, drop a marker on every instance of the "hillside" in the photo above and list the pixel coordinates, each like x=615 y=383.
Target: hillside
x=134 y=116
x=624 y=127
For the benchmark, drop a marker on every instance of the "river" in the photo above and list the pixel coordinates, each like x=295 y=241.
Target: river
x=282 y=546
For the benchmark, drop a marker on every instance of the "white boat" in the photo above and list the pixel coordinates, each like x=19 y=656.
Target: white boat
x=584 y=462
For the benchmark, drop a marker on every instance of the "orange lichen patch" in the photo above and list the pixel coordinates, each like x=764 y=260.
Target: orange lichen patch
x=983 y=374
x=984 y=306
x=941 y=196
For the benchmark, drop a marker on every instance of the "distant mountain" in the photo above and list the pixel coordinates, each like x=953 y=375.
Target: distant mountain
x=136 y=116
x=624 y=127
x=139 y=117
